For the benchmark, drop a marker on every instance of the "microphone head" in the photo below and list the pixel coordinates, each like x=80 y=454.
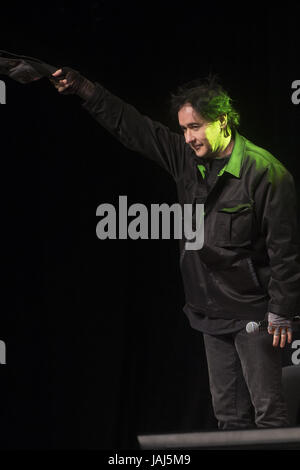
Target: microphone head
x=252 y=327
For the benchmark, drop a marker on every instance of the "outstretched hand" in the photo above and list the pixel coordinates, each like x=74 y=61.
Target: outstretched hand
x=63 y=84
x=72 y=82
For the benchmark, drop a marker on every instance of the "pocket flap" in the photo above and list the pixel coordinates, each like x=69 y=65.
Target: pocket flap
x=233 y=207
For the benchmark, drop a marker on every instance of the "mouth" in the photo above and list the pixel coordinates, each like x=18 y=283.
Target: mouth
x=197 y=147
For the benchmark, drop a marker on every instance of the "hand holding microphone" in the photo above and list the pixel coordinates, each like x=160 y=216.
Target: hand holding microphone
x=280 y=327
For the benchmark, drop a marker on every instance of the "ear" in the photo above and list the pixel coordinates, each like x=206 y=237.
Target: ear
x=223 y=121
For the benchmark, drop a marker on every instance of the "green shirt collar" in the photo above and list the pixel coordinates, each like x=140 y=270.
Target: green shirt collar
x=235 y=161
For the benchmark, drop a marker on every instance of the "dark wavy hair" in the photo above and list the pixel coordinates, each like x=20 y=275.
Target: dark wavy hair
x=209 y=99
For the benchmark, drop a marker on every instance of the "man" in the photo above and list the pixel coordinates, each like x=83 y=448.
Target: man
x=249 y=264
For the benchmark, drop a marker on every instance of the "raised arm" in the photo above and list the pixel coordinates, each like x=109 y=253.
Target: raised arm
x=134 y=130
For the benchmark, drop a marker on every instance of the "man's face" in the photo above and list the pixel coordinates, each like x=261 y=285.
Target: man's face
x=203 y=137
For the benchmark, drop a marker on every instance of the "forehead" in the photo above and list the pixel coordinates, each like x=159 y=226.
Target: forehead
x=188 y=115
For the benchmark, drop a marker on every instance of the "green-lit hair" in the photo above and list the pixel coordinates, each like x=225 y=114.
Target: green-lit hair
x=209 y=99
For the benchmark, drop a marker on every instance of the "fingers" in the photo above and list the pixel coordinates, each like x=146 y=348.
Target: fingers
x=270 y=329
x=61 y=85
x=280 y=335
x=283 y=337
x=65 y=78
x=286 y=333
x=57 y=73
x=276 y=337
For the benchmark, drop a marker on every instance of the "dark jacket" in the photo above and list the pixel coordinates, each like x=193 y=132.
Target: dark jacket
x=249 y=264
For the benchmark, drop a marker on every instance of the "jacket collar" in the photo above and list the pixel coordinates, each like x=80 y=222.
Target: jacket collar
x=235 y=161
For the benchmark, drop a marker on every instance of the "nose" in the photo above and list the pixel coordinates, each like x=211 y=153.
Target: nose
x=189 y=137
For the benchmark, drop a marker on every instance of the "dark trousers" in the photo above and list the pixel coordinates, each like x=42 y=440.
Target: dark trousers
x=245 y=380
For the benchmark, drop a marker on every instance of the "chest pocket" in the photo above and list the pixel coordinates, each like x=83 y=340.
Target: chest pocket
x=234 y=223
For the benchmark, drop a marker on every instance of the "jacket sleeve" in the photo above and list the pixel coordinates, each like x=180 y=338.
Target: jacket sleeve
x=136 y=131
x=276 y=203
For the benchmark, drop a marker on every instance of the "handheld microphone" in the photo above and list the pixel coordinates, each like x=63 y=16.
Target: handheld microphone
x=255 y=327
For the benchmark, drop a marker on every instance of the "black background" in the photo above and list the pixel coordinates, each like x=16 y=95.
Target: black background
x=98 y=348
